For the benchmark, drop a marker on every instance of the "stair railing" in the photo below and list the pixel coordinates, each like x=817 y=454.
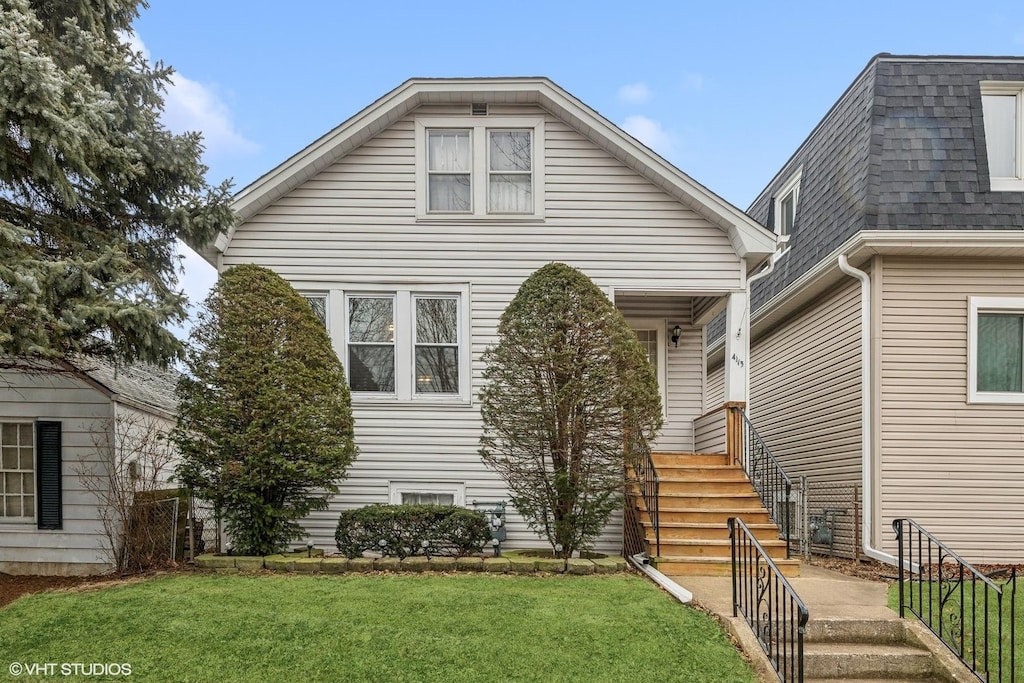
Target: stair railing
x=768 y=603
x=969 y=611
x=766 y=475
x=647 y=480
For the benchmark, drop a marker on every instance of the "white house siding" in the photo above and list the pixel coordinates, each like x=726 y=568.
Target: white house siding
x=714 y=383
x=355 y=223
x=957 y=468
x=805 y=399
x=83 y=413
x=682 y=395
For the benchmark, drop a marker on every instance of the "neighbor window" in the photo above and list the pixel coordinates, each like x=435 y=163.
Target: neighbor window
x=479 y=168
x=17 y=472
x=787 y=200
x=407 y=344
x=1002 y=109
x=996 y=350
x=427 y=493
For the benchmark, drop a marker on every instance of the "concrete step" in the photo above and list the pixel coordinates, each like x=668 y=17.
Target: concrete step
x=713 y=531
x=712 y=566
x=926 y=679
x=836 y=630
x=670 y=459
x=749 y=514
x=866 y=660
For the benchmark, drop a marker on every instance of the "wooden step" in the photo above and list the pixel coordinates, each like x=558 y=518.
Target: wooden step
x=704 y=566
x=674 y=484
x=690 y=547
x=710 y=531
x=670 y=514
x=702 y=472
x=664 y=459
x=748 y=500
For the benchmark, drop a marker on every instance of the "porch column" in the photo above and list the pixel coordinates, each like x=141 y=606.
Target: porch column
x=737 y=348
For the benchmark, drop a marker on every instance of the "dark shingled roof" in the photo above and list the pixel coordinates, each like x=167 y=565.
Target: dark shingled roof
x=902 y=149
x=146 y=386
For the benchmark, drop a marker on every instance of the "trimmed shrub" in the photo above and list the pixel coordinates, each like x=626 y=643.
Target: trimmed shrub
x=446 y=529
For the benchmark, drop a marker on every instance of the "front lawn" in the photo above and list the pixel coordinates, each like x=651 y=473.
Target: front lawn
x=379 y=628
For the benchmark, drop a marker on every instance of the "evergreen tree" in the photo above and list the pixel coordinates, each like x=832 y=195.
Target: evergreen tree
x=94 y=190
x=570 y=399
x=264 y=421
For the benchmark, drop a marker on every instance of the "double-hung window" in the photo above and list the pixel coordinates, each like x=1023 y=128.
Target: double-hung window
x=996 y=350
x=1002 y=107
x=407 y=344
x=17 y=472
x=484 y=168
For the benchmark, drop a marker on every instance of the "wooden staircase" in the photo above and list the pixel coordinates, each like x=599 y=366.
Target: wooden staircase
x=698 y=493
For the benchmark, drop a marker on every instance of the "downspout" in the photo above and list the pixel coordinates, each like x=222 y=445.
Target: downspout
x=867 y=426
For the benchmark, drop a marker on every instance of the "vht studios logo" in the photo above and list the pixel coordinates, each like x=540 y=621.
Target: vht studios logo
x=69 y=669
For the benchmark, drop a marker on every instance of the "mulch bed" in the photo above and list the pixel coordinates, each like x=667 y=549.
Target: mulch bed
x=873 y=570
x=13 y=587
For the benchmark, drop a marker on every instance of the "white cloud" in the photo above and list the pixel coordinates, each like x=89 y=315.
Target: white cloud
x=192 y=106
x=693 y=81
x=635 y=93
x=651 y=133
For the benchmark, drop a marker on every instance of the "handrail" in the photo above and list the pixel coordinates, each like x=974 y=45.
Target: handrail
x=650 y=488
x=954 y=600
x=768 y=602
x=767 y=477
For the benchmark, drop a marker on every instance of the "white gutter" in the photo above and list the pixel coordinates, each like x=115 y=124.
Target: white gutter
x=867 y=427
x=674 y=589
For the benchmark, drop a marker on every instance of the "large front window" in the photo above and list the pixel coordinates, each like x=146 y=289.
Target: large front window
x=17 y=472
x=407 y=344
x=479 y=168
x=1002 y=107
x=996 y=350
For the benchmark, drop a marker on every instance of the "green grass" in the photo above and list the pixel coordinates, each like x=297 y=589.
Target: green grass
x=374 y=628
x=922 y=600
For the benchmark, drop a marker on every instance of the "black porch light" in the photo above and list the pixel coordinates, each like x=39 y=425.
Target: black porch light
x=676 y=333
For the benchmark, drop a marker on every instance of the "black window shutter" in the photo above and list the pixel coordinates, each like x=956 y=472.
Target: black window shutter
x=48 y=489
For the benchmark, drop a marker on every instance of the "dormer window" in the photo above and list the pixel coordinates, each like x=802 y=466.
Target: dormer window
x=786 y=202
x=1002 y=105
x=479 y=168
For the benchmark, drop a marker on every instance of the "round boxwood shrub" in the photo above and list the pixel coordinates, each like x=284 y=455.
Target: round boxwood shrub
x=411 y=530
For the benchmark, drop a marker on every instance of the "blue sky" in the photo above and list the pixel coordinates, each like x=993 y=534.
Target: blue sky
x=726 y=92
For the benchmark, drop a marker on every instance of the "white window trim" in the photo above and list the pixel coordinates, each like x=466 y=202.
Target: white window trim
x=18 y=523
x=1016 y=89
x=478 y=127
x=405 y=350
x=791 y=186
x=659 y=325
x=456 y=488
x=984 y=304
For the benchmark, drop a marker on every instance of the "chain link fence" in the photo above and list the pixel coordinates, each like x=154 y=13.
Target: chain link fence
x=826 y=518
x=203 y=529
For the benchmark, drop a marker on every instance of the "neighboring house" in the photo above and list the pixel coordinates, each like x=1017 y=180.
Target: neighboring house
x=411 y=226
x=55 y=427
x=906 y=379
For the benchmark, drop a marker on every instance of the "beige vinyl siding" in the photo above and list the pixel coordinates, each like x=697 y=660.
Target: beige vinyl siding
x=355 y=223
x=682 y=367
x=805 y=398
x=83 y=412
x=957 y=468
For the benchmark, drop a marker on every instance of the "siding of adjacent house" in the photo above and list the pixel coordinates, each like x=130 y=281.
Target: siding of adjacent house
x=84 y=412
x=355 y=223
x=955 y=467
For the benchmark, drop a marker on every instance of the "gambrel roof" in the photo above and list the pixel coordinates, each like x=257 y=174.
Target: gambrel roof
x=749 y=239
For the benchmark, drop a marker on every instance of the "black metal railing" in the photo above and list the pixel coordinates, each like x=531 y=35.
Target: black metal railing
x=767 y=477
x=647 y=480
x=972 y=613
x=768 y=602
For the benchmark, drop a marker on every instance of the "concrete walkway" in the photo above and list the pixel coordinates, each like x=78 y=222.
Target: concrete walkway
x=826 y=594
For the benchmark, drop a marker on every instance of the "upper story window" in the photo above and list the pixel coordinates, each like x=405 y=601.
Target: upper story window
x=787 y=199
x=996 y=350
x=1002 y=105
x=479 y=168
